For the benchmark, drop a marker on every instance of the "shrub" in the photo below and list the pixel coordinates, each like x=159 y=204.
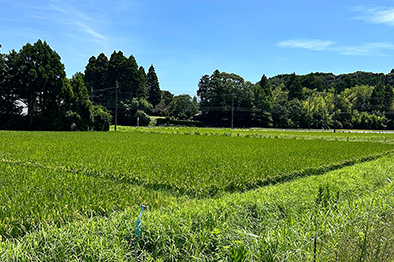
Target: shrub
x=101 y=118
x=144 y=119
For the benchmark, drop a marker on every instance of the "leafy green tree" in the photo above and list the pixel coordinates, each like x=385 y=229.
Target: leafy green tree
x=95 y=77
x=132 y=109
x=131 y=80
x=388 y=97
x=10 y=109
x=153 y=86
x=320 y=107
x=360 y=96
x=295 y=89
x=81 y=103
x=101 y=118
x=262 y=96
x=35 y=76
x=137 y=104
x=265 y=87
x=116 y=67
x=40 y=77
x=142 y=89
x=297 y=114
x=71 y=118
x=279 y=110
x=345 y=83
x=166 y=98
x=312 y=82
x=378 y=96
x=369 y=121
x=80 y=114
x=224 y=99
x=102 y=76
x=203 y=91
x=143 y=118
x=182 y=107
x=344 y=108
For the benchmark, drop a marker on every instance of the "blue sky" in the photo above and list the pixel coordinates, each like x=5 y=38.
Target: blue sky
x=185 y=39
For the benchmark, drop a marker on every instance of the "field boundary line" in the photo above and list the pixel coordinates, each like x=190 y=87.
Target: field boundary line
x=208 y=191
x=254 y=135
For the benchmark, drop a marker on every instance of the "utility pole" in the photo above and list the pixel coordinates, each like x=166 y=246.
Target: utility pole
x=232 y=112
x=335 y=110
x=309 y=112
x=116 y=104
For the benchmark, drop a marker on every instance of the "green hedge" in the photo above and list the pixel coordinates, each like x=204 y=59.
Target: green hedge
x=168 y=121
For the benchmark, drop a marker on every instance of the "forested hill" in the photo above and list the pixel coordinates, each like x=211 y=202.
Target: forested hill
x=325 y=81
x=359 y=100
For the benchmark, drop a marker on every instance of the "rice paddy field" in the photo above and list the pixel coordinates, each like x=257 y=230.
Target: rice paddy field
x=211 y=195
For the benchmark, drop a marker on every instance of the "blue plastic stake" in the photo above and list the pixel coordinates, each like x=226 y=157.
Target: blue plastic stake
x=138 y=226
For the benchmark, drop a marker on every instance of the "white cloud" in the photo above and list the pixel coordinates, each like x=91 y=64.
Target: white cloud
x=66 y=16
x=367 y=49
x=312 y=44
x=375 y=14
x=72 y=16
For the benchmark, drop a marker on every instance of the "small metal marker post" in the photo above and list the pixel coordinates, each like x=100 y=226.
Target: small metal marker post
x=138 y=225
x=314 y=249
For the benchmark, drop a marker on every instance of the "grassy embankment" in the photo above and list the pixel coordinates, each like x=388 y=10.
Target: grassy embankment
x=340 y=135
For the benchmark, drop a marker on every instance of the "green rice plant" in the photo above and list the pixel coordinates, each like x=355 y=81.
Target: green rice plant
x=277 y=222
x=31 y=197
x=53 y=182
x=237 y=252
x=193 y=165
x=284 y=218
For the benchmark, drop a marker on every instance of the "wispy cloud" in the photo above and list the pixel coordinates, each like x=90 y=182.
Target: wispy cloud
x=72 y=16
x=67 y=16
x=312 y=44
x=375 y=14
x=367 y=49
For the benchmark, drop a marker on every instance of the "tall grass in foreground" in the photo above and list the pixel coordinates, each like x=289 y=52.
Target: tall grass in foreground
x=350 y=211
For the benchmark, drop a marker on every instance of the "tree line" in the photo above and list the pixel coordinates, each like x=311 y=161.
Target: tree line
x=35 y=94
x=118 y=82
x=316 y=100
x=34 y=80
